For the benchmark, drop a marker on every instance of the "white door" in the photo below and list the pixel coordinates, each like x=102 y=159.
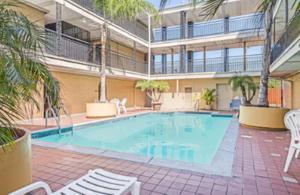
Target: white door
x=188 y=98
x=224 y=93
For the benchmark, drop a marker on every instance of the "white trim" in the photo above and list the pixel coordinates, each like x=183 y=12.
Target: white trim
x=201 y=75
x=211 y=38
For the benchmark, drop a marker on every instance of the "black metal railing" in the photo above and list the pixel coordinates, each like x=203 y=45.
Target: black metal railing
x=289 y=35
x=75 y=49
x=123 y=62
x=69 y=47
x=133 y=27
x=217 y=64
x=213 y=27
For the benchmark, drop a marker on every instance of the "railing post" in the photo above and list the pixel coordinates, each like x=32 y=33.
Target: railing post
x=204 y=59
x=163 y=63
x=183 y=59
x=190 y=61
x=58 y=7
x=226 y=68
x=190 y=29
x=226 y=24
x=172 y=60
x=164 y=33
x=245 y=55
x=183 y=24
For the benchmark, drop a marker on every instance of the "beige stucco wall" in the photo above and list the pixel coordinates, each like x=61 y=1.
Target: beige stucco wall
x=33 y=14
x=77 y=90
x=120 y=88
x=181 y=100
x=295 y=91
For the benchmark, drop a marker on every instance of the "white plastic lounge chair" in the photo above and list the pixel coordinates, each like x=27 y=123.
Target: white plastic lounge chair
x=123 y=105
x=117 y=102
x=96 y=181
x=292 y=122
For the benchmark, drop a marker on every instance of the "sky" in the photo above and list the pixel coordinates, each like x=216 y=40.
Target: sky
x=171 y=3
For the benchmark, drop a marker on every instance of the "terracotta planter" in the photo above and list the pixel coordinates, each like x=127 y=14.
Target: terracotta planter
x=263 y=117
x=15 y=164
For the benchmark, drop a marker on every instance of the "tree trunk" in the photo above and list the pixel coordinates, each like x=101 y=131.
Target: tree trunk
x=264 y=78
x=103 y=64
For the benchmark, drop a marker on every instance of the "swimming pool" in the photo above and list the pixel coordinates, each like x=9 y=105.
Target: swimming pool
x=179 y=136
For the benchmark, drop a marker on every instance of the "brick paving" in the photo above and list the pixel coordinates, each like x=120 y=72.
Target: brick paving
x=255 y=169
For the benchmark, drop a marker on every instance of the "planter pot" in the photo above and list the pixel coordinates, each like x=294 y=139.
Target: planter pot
x=262 y=117
x=208 y=107
x=95 y=110
x=156 y=105
x=15 y=164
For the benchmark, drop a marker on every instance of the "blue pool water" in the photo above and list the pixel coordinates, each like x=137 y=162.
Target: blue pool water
x=186 y=137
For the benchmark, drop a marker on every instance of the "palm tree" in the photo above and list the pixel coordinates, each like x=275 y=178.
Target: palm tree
x=267 y=7
x=21 y=69
x=153 y=89
x=246 y=85
x=116 y=9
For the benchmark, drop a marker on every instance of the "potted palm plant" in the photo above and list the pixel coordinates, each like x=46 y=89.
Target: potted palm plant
x=209 y=97
x=246 y=85
x=153 y=90
x=21 y=72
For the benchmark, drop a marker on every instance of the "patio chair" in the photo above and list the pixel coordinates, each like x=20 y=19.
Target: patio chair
x=117 y=102
x=292 y=122
x=96 y=181
x=123 y=105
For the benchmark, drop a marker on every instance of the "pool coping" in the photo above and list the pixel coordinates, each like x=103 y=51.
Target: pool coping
x=221 y=164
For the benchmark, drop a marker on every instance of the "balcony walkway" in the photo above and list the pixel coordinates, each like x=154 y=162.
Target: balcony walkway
x=257 y=169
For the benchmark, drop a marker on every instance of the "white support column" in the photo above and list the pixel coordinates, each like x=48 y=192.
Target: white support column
x=177 y=87
x=149 y=46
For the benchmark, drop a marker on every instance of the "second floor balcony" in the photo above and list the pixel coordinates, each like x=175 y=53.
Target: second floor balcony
x=229 y=64
x=89 y=53
x=214 y=27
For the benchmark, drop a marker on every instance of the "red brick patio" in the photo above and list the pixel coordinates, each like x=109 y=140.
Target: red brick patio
x=258 y=169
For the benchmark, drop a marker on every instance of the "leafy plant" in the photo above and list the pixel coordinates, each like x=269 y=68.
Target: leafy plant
x=209 y=96
x=153 y=89
x=21 y=69
x=116 y=9
x=246 y=85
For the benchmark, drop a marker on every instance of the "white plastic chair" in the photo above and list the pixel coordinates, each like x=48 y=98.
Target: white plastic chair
x=117 y=102
x=123 y=105
x=292 y=122
x=96 y=181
